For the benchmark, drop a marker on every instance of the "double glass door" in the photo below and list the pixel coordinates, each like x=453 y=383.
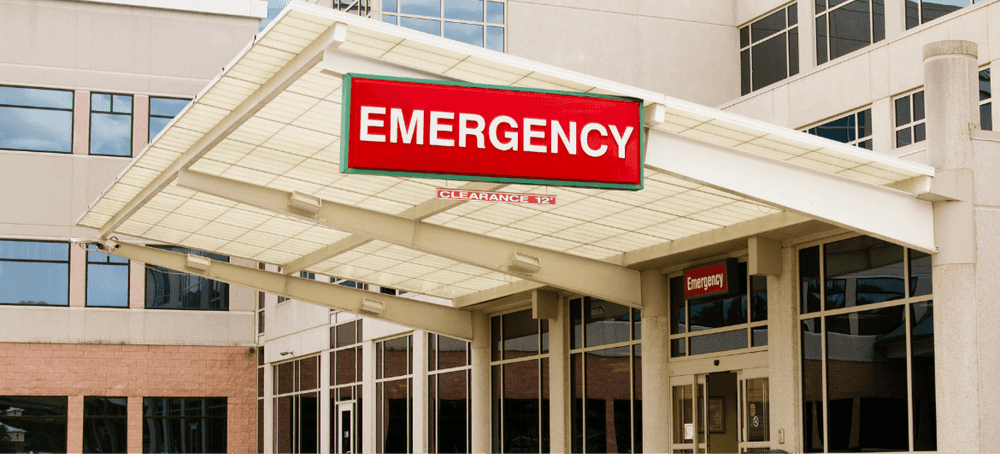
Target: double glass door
x=721 y=412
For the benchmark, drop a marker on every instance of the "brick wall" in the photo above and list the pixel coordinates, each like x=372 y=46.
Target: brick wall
x=135 y=371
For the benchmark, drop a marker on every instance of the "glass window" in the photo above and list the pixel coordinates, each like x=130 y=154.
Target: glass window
x=161 y=111
x=110 y=124
x=394 y=395
x=710 y=325
x=105 y=424
x=852 y=129
x=769 y=49
x=910 y=124
x=169 y=289
x=296 y=406
x=844 y=27
x=33 y=424
x=879 y=391
x=184 y=424
x=985 y=100
x=107 y=280
x=923 y=11
x=520 y=382
x=36 y=119
x=34 y=273
x=449 y=412
x=464 y=20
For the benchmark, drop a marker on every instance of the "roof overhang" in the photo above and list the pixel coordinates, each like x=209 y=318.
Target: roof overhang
x=219 y=177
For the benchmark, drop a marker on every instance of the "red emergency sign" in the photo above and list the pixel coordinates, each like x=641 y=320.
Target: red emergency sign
x=712 y=280
x=487 y=133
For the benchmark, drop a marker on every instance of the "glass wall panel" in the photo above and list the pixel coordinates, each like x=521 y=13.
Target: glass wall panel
x=812 y=385
x=184 y=425
x=34 y=273
x=758 y=410
x=809 y=279
x=609 y=406
x=866 y=373
x=107 y=280
x=169 y=289
x=522 y=428
x=605 y=322
x=453 y=412
x=105 y=424
x=33 y=424
x=682 y=397
x=520 y=335
x=924 y=401
x=862 y=270
x=718 y=342
x=36 y=119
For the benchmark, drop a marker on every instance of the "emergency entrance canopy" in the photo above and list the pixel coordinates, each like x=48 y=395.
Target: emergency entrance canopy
x=251 y=169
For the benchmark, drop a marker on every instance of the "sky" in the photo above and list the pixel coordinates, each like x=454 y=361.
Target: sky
x=273 y=8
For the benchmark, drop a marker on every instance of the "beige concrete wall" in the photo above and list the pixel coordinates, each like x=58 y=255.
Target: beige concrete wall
x=124 y=49
x=684 y=49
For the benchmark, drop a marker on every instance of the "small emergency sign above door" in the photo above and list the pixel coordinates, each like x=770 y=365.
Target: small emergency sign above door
x=452 y=130
x=712 y=280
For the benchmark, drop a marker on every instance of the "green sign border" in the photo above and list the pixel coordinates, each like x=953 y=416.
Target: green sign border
x=345 y=134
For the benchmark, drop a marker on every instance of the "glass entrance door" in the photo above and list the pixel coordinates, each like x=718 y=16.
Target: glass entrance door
x=721 y=412
x=345 y=427
x=755 y=408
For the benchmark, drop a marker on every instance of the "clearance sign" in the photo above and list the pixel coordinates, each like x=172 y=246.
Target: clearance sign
x=460 y=131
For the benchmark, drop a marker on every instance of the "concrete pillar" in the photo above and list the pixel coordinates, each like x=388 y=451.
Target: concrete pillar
x=269 y=408
x=559 y=383
x=481 y=385
x=784 y=356
x=420 y=402
x=951 y=104
x=655 y=362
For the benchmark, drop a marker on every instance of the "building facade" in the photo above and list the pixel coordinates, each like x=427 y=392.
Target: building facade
x=826 y=342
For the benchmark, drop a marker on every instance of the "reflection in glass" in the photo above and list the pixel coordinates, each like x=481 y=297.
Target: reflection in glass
x=396 y=357
x=451 y=352
x=470 y=10
x=429 y=8
x=850 y=28
x=394 y=416
x=161 y=111
x=758 y=336
x=866 y=369
x=683 y=413
x=494 y=39
x=389 y=19
x=389 y=6
x=36 y=97
x=452 y=413
x=922 y=348
x=678 y=347
x=466 y=33
x=862 y=270
x=520 y=335
x=758 y=298
x=494 y=13
x=718 y=342
x=812 y=385
x=421 y=25
x=107 y=280
x=757 y=410
x=521 y=427
x=34 y=273
x=930 y=10
x=678 y=314
x=769 y=62
x=605 y=322
x=36 y=129
x=185 y=424
x=608 y=400
x=37 y=423
x=169 y=289
x=110 y=124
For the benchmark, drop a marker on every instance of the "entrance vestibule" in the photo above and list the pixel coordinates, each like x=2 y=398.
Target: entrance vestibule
x=730 y=407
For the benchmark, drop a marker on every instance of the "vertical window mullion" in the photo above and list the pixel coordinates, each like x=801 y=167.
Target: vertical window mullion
x=909 y=368
x=823 y=346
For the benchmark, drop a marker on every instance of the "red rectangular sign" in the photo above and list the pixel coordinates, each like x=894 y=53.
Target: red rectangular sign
x=488 y=133
x=710 y=280
x=486 y=196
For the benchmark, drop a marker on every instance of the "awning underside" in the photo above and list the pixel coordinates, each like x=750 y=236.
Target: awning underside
x=291 y=142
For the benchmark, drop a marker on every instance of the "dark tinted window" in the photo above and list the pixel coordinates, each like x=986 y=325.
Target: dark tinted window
x=853 y=129
x=35 y=119
x=34 y=273
x=105 y=424
x=184 y=425
x=769 y=49
x=169 y=289
x=873 y=267
x=33 y=424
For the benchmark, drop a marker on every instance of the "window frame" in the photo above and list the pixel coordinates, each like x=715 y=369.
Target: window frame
x=184 y=399
x=111 y=111
x=158 y=269
x=920 y=12
x=395 y=15
x=912 y=124
x=906 y=302
x=69 y=269
x=381 y=421
x=105 y=416
x=71 y=110
x=296 y=394
x=497 y=382
x=858 y=139
x=434 y=396
x=149 y=120
x=128 y=279
x=987 y=102
x=825 y=16
x=748 y=48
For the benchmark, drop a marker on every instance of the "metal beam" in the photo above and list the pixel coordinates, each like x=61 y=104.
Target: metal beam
x=603 y=280
x=402 y=311
x=417 y=213
x=284 y=78
x=881 y=212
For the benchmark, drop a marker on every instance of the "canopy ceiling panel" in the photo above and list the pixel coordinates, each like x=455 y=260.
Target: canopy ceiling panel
x=273 y=119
